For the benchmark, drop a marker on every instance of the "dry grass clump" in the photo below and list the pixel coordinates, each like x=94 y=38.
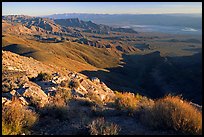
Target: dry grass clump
x=44 y=76
x=101 y=127
x=64 y=93
x=94 y=98
x=17 y=119
x=172 y=112
x=74 y=84
x=65 y=83
x=145 y=104
x=84 y=102
x=126 y=101
x=57 y=107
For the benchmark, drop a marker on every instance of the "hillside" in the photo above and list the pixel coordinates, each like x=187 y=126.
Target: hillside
x=47 y=41
x=79 y=56
x=155 y=76
x=56 y=101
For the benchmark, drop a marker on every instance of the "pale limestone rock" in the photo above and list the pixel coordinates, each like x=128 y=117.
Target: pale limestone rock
x=34 y=91
x=23 y=101
x=95 y=80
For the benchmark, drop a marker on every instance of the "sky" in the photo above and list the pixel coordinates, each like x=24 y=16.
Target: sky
x=48 y=8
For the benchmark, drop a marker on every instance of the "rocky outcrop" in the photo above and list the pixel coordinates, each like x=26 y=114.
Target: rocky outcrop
x=28 y=65
x=34 y=93
x=37 y=92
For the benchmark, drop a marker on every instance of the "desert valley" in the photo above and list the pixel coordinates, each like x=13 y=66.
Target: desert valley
x=65 y=74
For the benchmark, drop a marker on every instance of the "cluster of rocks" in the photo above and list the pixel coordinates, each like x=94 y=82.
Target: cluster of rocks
x=37 y=92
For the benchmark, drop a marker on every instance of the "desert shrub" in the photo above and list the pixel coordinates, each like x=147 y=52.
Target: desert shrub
x=145 y=103
x=57 y=108
x=64 y=93
x=55 y=112
x=85 y=102
x=94 y=98
x=44 y=76
x=126 y=101
x=101 y=127
x=17 y=119
x=74 y=84
x=65 y=83
x=97 y=111
x=172 y=112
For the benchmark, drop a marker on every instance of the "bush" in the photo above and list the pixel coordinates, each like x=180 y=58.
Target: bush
x=65 y=83
x=171 y=112
x=95 y=99
x=17 y=119
x=55 y=112
x=126 y=101
x=74 y=84
x=56 y=108
x=64 y=94
x=145 y=104
x=101 y=127
x=44 y=76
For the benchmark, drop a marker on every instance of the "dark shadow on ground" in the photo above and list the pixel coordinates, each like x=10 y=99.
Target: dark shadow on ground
x=155 y=76
x=19 y=49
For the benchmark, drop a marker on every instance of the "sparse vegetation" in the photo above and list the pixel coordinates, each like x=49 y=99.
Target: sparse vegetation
x=64 y=93
x=43 y=76
x=95 y=99
x=79 y=104
x=17 y=119
x=126 y=101
x=101 y=127
x=65 y=83
x=57 y=107
x=172 y=112
x=74 y=84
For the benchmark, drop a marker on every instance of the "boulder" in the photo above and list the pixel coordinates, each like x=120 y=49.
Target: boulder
x=35 y=93
x=95 y=80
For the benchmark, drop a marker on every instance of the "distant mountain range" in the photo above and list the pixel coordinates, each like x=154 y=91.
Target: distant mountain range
x=73 y=31
x=187 y=20
x=60 y=25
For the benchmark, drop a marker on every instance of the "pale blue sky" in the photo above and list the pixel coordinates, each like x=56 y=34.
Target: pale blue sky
x=47 y=8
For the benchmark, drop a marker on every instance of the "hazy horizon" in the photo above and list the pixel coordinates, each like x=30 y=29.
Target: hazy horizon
x=49 y=8
x=109 y=14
